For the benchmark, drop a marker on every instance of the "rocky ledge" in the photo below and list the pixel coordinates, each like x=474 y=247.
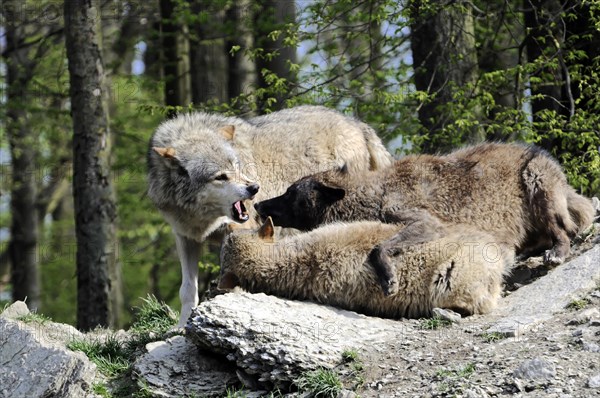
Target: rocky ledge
x=542 y=340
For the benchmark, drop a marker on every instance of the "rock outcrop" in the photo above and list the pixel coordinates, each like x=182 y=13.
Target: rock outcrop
x=34 y=361
x=275 y=340
x=176 y=368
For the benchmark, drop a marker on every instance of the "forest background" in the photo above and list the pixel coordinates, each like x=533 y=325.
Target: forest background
x=427 y=75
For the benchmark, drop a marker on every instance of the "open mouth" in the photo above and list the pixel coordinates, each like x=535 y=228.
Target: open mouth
x=239 y=212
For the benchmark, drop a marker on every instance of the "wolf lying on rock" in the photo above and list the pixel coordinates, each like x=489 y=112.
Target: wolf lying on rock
x=517 y=193
x=462 y=271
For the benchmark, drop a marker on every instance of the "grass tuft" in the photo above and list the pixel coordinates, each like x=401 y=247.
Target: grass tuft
x=434 y=323
x=320 y=383
x=153 y=320
x=34 y=317
x=114 y=358
x=350 y=355
x=578 y=304
x=234 y=393
x=464 y=372
x=492 y=337
x=110 y=356
x=101 y=390
x=154 y=316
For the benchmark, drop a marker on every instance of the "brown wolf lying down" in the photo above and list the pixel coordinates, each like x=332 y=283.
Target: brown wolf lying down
x=517 y=193
x=462 y=271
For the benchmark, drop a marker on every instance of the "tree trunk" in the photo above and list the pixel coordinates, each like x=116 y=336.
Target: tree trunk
x=95 y=212
x=24 y=229
x=502 y=32
x=209 y=56
x=273 y=15
x=175 y=58
x=242 y=70
x=543 y=33
x=444 y=58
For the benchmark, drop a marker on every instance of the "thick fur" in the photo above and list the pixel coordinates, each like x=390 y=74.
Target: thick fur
x=516 y=192
x=462 y=271
x=199 y=166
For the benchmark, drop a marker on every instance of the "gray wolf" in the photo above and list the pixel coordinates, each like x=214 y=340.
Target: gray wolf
x=462 y=271
x=203 y=169
x=518 y=193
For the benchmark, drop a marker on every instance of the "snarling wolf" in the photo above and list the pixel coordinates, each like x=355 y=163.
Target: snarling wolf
x=204 y=169
x=518 y=193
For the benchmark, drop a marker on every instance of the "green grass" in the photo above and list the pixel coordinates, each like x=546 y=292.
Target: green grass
x=464 y=372
x=320 y=383
x=493 y=337
x=434 y=323
x=578 y=304
x=152 y=320
x=154 y=316
x=350 y=355
x=110 y=356
x=356 y=367
x=34 y=317
x=114 y=358
x=234 y=393
x=101 y=390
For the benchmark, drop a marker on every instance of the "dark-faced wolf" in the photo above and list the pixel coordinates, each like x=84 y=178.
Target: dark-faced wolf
x=518 y=193
x=204 y=169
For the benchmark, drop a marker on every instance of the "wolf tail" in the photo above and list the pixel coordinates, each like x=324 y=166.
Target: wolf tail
x=380 y=158
x=581 y=210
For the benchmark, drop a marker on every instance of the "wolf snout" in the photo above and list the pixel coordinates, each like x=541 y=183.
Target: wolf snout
x=252 y=189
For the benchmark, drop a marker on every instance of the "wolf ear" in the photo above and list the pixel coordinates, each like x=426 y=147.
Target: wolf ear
x=331 y=194
x=228 y=281
x=267 y=230
x=228 y=132
x=168 y=153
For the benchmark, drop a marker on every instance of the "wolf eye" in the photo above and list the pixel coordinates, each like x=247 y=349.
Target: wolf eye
x=222 y=177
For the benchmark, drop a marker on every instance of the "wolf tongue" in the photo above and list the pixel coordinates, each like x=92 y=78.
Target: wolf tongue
x=238 y=207
x=241 y=210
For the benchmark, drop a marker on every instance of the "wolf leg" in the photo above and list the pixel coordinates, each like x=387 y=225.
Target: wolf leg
x=189 y=254
x=547 y=190
x=420 y=227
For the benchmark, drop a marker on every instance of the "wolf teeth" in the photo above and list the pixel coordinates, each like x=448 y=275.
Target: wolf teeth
x=240 y=213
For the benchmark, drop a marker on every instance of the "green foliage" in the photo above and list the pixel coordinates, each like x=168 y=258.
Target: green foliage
x=354 y=57
x=320 y=383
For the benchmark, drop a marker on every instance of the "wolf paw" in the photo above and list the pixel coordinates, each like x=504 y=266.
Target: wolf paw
x=390 y=286
x=551 y=258
x=385 y=271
